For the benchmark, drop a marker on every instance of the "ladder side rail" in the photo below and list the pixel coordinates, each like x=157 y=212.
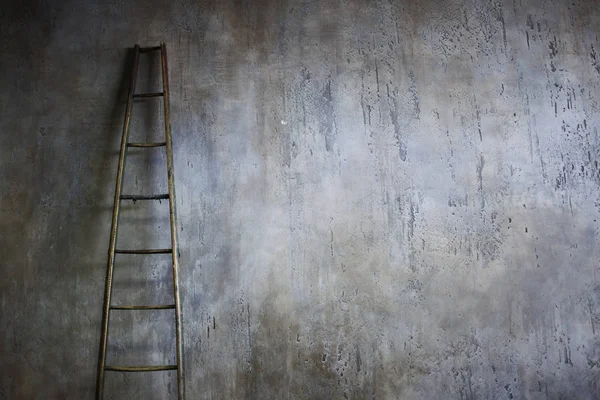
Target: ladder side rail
x=173 y=221
x=114 y=226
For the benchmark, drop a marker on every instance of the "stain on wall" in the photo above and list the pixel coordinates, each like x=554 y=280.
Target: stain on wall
x=376 y=199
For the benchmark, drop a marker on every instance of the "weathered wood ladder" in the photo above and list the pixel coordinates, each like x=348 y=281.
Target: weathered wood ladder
x=108 y=307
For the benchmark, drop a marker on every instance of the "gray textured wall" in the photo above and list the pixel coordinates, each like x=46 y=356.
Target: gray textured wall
x=377 y=199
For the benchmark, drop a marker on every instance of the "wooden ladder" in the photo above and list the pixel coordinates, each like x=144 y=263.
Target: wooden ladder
x=112 y=250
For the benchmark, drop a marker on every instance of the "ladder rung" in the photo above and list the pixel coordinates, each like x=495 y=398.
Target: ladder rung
x=158 y=307
x=135 y=197
x=157 y=94
x=149 y=49
x=141 y=369
x=145 y=251
x=159 y=144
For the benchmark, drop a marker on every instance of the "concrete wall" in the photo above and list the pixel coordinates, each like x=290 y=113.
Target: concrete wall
x=377 y=199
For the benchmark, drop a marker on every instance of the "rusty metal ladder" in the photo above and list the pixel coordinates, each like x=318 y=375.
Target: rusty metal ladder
x=112 y=250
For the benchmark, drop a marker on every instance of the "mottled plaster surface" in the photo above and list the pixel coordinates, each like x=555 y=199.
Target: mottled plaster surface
x=376 y=199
